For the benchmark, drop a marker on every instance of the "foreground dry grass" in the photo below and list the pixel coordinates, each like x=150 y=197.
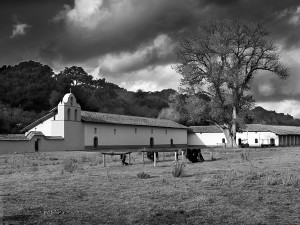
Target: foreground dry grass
x=258 y=187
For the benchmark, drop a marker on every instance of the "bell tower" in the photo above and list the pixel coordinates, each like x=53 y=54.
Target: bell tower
x=68 y=123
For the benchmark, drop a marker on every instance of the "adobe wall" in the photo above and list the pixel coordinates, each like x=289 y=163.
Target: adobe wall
x=262 y=138
x=215 y=139
x=16 y=146
x=205 y=139
x=130 y=136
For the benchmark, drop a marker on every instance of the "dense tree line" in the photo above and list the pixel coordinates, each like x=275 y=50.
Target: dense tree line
x=30 y=89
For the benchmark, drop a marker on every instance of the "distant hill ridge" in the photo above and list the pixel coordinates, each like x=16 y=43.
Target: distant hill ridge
x=263 y=116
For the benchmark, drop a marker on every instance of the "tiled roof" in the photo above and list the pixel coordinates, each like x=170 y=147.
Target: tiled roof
x=97 y=117
x=13 y=137
x=31 y=134
x=27 y=137
x=257 y=128
x=277 y=129
x=284 y=130
x=205 y=129
x=54 y=138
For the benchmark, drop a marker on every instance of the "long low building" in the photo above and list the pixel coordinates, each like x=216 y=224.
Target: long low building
x=66 y=127
x=254 y=135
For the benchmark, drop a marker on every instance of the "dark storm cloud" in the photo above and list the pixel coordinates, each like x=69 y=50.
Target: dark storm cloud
x=127 y=32
x=121 y=36
x=129 y=29
x=268 y=87
x=35 y=14
x=220 y=2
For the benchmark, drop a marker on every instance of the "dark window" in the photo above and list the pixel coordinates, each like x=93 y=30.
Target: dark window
x=36 y=144
x=151 y=142
x=95 y=142
x=69 y=114
x=240 y=141
x=223 y=140
x=75 y=115
x=71 y=100
x=171 y=143
x=95 y=130
x=115 y=131
x=256 y=140
x=272 y=141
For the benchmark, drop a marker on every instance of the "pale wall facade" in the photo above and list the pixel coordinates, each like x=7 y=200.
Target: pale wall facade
x=254 y=139
x=206 y=139
x=116 y=136
x=22 y=146
x=257 y=139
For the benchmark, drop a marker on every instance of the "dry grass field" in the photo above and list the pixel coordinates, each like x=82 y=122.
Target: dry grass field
x=254 y=186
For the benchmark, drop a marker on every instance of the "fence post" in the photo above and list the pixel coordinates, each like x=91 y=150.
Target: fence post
x=129 y=158
x=1 y=207
x=103 y=159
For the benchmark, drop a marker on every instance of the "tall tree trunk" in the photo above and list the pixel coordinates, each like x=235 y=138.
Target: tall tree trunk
x=230 y=138
x=226 y=132
x=233 y=128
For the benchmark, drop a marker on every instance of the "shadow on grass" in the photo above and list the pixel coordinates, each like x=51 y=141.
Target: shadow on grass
x=165 y=217
x=18 y=218
x=213 y=160
x=188 y=175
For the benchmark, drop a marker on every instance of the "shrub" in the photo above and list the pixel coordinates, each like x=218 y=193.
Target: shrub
x=244 y=156
x=212 y=157
x=70 y=164
x=34 y=167
x=178 y=169
x=283 y=179
x=53 y=158
x=95 y=161
x=291 y=180
x=143 y=175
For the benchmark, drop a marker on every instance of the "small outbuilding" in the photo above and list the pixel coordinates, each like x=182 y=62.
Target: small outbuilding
x=254 y=135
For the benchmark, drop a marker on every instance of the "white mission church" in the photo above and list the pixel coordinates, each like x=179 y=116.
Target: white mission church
x=67 y=127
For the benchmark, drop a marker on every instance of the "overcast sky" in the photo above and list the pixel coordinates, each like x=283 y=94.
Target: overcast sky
x=130 y=42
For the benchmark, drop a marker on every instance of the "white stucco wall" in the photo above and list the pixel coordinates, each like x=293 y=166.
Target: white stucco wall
x=215 y=139
x=262 y=138
x=205 y=139
x=45 y=127
x=126 y=136
x=66 y=123
x=73 y=137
